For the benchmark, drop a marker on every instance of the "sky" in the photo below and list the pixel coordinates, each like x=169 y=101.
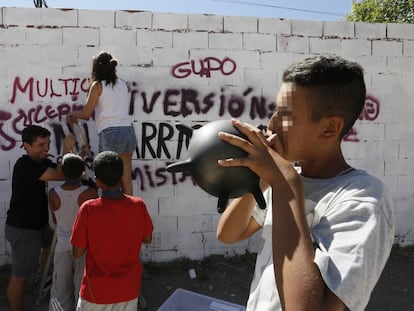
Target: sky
x=325 y=10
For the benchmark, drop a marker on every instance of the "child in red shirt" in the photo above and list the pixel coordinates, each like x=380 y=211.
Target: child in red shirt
x=111 y=230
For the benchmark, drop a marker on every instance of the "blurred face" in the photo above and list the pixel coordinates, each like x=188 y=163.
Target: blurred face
x=38 y=150
x=292 y=122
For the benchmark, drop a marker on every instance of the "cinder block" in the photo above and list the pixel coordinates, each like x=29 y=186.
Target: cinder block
x=399 y=167
x=321 y=45
x=240 y=24
x=195 y=223
x=192 y=253
x=387 y=47
x=59 y=17
x=404 y=235
x=295 y=44
x=259 y=77
x=400 y=31
x=181 y=240
x=178 y=206
x=400 y=131
x=277 y=61
x=96 y=18
x=275 y=26
x=4 y=206
x=5 y=170
x=164 y=256
x=168 y=57
x=5 y=190
x=118 y=37
x=133 y=19
x=407 y=148
x=259 y=42
x=165 y=224
x=225 y=41
x=22 y=17
x=59 y=55
x=48 y=36
x=81 y=37
x=407 y=83
x=12 y=35
x=168 y=21
x=370 y=131
x=205 y=22
x=373 y=64
x=192 y=40
x=356 y=47
x=386 y=82
x=405 y=184
x=151 y=39
x=371 y=31
x=400 y=64
x=132 y=56
x=408 y=48
x=307 y=28
x=339 y=29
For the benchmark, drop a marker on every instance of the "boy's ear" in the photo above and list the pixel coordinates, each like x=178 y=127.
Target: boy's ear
x=98 y=182
x=332 y=127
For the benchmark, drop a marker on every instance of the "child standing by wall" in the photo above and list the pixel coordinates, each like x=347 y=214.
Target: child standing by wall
x=64 y=202
x=109 y=97
x=27 y=224
x=111 y=230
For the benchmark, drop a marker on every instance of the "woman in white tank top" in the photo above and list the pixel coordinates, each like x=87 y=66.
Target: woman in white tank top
x=109 y=97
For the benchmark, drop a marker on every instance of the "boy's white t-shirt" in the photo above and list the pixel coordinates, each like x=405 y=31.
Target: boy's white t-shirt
x=352 y=225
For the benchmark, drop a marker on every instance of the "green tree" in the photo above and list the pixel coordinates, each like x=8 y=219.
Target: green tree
x=382 y=11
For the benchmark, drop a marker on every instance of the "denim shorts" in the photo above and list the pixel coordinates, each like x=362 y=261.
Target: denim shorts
x=25 y=246
x=119 y=139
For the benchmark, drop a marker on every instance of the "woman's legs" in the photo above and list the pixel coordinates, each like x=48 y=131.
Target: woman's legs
x=126 y=180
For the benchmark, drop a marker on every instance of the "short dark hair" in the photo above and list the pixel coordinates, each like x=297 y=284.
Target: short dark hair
x=30 y=133
x=337 y=87
x=108 y=168
x=72 y=166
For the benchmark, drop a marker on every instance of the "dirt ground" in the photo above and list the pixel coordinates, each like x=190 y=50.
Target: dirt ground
x=228 y=279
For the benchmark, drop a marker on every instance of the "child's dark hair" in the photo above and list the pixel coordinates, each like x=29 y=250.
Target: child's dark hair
x=337 y=87
x=108 y=168
x=103 y=68
x=72 y=166
x=31 y=132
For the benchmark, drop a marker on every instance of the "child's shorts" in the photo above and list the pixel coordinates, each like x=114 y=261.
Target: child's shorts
x=26 y=245
x=119 y=139
x=84 y=305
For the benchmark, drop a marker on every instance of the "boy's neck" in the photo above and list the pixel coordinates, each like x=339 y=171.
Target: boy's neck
x=325 y=168
x=71 y=184
x=112 y=193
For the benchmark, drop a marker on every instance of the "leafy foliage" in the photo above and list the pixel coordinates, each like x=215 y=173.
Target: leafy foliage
x=382 y=11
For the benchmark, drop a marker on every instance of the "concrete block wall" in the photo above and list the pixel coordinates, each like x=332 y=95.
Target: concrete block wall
x=194 y=69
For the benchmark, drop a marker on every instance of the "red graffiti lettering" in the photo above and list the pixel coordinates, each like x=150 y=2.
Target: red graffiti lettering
x=371 y=109
x=49 y=87
x=351 y=136
x=206 y=66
